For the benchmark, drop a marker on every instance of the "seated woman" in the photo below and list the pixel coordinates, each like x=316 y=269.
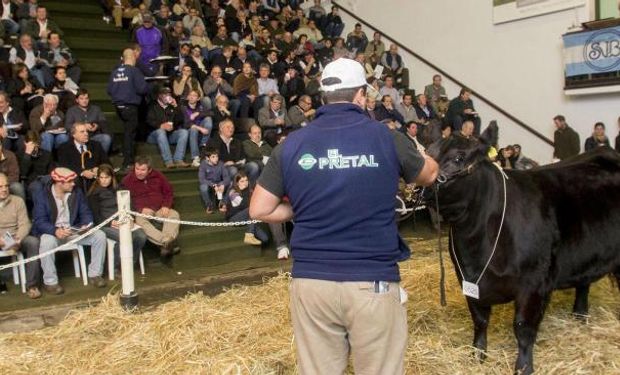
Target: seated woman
x=598 y=138
x=239 y=209
x=102 y=201
x=185 y=83
x=25 y=91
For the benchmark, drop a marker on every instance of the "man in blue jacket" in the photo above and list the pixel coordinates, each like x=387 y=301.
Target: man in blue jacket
x=58 y=208
x=340 y=174
x=126 y=88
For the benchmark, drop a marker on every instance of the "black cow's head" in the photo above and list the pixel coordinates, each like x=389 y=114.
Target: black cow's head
x=456 y=155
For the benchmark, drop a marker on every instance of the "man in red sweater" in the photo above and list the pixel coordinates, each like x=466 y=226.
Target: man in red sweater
x=151 y=194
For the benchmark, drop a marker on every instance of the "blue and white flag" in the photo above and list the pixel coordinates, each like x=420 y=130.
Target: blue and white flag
x=592 y=52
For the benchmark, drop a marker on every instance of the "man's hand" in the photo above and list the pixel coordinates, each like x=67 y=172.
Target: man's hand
x=194 y=115
x=89 y=174
x=167 y=126
x=114 y=224
x=62 y=233
x=163 y=212
x=229 y=163
x=252 y=98
x=148 y=211
x=279 y=121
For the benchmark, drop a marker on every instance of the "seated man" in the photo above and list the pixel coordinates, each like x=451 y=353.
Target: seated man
x=273 y=119
x=461 y=109
x=28 y=54
x=168 y=128
x=91 y=115
x=40 y=27
x=230 y=149
x=34 y=162
x=387 y=112
x=357 y=39
x=411 y=130
x=267 y=87
x=82 y=155
x=14 y=122
x=58 y=208
x=49 y=122
x=302 y=113
x=407 y=109
x=424 y=111
x=467 y=130
x=256 y=152
x=151 y=194
x=394 y=65
x=435 y=91
x=14 y=220
x=10 y=167
x=56 y=54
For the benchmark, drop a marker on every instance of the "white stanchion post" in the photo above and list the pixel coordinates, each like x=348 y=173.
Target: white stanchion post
x=129 y=297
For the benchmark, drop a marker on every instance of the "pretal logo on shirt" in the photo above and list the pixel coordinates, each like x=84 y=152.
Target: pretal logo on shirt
x=306 y=162
x=335 y=160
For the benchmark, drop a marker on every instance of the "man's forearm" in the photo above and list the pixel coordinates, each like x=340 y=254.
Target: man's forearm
x=282 y=213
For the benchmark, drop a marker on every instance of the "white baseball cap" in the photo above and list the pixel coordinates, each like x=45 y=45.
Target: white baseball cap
x=342 y=74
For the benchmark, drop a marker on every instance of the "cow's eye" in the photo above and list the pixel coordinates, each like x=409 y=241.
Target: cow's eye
x=458 y=159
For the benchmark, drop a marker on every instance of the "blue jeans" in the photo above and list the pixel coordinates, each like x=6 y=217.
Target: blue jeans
x=50 y=141
x=197 y=139
x=105 y=140
x=163 y=140
x=333 y=30
x=252 y=169
x=251 y=228
x=208 y=195
x=11 y=26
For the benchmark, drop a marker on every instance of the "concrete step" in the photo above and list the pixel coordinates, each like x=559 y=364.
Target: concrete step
x=72 y=7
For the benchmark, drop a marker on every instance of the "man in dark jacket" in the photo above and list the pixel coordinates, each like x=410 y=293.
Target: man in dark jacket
x=565 y=139
x=230 y=149
x=82 y=155
x=167 y=124
x=91 y=115
x=60 y=209
x=461 y=109
x=14 y=122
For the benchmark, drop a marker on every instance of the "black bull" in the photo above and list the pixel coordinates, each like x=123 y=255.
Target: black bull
x=561 y=230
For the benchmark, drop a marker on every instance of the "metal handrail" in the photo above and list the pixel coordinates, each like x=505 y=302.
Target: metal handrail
x=450 y=77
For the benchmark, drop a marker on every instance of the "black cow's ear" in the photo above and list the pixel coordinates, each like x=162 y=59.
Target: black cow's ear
x=490 y=135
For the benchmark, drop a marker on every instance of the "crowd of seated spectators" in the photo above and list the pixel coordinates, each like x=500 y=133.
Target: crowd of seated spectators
x=227 y=80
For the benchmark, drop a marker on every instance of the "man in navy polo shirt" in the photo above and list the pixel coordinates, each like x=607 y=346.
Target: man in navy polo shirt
x=340 y=174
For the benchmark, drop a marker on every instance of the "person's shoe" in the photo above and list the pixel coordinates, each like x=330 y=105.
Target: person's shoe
x=169 y=165
x=33 y=293
x=97 y=281
x=196 y=162
x=181 y=164
x=249 y=239
x=54 y=289
x=283 y=253
x=209 y=211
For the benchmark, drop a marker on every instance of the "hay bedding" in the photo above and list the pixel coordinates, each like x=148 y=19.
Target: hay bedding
x=247 y=330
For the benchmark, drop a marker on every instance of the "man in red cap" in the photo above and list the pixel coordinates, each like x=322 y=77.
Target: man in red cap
x=58 y=208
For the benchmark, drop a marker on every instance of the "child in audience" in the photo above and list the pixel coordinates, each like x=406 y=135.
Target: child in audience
x=102 y=202
x=239 y=209
x=214 y=180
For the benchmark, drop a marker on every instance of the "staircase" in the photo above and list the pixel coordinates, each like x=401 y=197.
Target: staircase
x=98 y=47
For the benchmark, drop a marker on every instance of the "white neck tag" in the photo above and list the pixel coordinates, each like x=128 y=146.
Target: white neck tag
x=471 y=290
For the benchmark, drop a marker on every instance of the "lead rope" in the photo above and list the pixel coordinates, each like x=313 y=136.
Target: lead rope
x=442 y=270
x=499 y=232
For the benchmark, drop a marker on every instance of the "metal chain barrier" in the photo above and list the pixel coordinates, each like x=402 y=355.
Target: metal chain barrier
x=195 y=223
x=61 y=247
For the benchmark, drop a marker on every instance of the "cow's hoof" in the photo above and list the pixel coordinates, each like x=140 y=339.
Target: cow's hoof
x=480 y=354
x=582 y=316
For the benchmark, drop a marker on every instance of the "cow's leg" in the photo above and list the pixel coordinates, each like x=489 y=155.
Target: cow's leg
x=480 y=315
x=529 y=311
x=580 y=307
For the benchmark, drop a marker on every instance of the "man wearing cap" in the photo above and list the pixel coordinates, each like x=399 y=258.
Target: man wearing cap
x=151 y=39
x=340 y=174
x=60 y=209
x=126 y=87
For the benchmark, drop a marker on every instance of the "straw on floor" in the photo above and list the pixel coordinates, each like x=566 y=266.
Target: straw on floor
x=246 y=330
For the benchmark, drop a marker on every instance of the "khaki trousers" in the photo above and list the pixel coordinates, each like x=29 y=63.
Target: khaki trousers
x=331 y=319
x=169 y=232
x=118 y=14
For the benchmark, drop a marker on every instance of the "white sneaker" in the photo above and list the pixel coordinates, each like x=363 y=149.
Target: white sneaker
x=196 y=162
x=283 y=253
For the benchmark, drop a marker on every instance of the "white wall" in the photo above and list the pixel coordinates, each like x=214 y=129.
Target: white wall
x=517 y=65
